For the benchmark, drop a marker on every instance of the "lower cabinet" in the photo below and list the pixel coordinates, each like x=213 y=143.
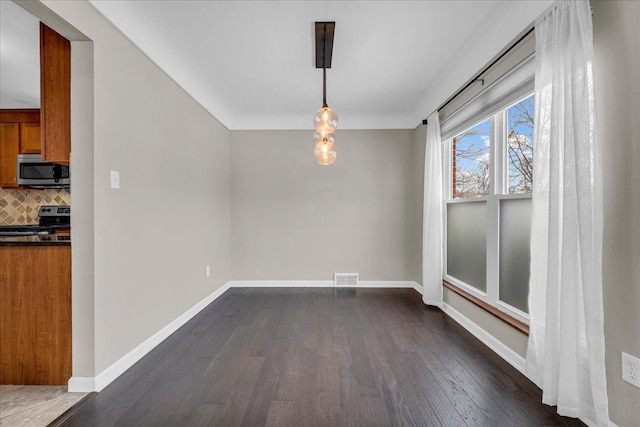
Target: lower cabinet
x=35 y=315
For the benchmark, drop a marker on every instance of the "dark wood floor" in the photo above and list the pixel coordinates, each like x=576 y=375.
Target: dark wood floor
x=325 y=357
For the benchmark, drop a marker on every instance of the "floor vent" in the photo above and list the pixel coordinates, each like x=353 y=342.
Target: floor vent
x=342 y=280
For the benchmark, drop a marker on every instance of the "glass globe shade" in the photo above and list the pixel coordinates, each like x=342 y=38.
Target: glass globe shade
x=319 y=136
x=324 y=151
x=326 y=120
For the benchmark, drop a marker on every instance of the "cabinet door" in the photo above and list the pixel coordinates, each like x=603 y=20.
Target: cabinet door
x=55 y=96
x=30 y=138
x=9 y=142
x=35 y=315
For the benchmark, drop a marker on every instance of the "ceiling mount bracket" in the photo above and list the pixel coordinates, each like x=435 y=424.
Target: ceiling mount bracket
x=324 y=43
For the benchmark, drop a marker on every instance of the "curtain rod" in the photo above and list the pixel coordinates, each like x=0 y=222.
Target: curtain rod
x=477 y=76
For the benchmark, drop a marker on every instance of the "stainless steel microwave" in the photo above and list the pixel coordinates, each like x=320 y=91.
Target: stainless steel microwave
x=37 y=173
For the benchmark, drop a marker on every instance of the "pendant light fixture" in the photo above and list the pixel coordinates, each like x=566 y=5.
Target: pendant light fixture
x=325 y=120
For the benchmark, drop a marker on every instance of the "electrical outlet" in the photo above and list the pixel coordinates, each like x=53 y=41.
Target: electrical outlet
x=631 y=369
x=208 y=271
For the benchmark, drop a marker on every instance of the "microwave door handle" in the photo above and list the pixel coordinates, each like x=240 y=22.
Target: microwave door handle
x=56 y=172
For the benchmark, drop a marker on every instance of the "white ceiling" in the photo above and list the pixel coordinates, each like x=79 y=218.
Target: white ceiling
x=251 y=63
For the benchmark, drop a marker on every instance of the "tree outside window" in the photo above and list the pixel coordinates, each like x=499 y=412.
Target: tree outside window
x=471 y=154
x=471 y=161
x=520 y=146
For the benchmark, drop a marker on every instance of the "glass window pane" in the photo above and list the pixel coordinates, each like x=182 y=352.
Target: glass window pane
x=520 y=146
x=467 y=243
x=471 y=155
x=515 y=237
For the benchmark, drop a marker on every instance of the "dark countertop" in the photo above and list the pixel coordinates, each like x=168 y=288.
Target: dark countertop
x=37 y=240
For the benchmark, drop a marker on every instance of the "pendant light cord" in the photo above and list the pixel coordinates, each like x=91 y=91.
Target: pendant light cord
x=324 y=87
x=324 y=68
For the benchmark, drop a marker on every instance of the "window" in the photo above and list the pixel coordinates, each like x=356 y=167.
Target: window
x=488 y=214
x=471 y=161
x=520 y=146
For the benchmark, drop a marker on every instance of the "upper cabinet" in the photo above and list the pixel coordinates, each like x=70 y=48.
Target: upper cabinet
x=19 y=134
x=9 y=143
x=55 y=96
x=30 y=139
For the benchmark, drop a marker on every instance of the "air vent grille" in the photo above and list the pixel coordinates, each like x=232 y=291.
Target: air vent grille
x=341 y=280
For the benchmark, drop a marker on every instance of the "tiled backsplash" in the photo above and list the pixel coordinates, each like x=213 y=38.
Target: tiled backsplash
x=21 y=206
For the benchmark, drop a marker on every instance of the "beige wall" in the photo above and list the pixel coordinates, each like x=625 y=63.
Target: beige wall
x=82 y=220
x=154 y=236
x=617 y=80
x=295 y=220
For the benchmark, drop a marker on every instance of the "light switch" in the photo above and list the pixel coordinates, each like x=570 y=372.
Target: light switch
x=115 y=180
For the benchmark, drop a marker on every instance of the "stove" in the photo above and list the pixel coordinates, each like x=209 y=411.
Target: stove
x=55 y=216
x=50 y=218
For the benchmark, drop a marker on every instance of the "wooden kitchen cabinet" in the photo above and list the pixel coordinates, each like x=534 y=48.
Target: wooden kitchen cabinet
x=19 y=134
x=35 y=315
x=55 y=96
x=9 y=148
x=30 y=138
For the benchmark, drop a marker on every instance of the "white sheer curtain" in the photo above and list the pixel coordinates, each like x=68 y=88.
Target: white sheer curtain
x=432 y=215
x=565 y=355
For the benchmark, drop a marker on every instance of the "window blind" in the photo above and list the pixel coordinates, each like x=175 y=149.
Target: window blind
x=512 y=86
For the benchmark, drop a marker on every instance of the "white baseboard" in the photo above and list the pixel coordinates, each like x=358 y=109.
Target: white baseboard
x=280 y=283
x=513 y=358
x=320 y=284
x=418 y=287
x=81 y=384
x=104 y=378
x=394 y=284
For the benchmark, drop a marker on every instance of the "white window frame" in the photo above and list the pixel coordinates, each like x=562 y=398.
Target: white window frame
x=498 y=191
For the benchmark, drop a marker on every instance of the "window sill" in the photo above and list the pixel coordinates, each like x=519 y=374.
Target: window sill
x=511 y=321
